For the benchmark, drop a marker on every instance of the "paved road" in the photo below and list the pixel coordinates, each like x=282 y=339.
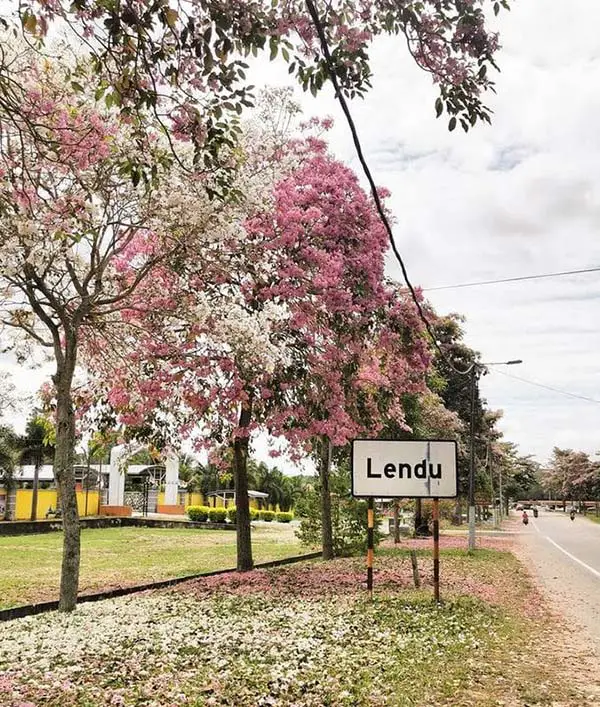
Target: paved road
x=565 y=556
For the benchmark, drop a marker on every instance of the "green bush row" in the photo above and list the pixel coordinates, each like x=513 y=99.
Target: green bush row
x=202 y=514
x=280 y=517
x=197 y=513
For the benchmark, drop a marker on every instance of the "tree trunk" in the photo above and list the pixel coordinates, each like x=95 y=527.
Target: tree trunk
x=36 y=483
x=65 y=477
x=326 y=525
x=458 y=511
x=11 y=501
x=240 y=476
x=418 y=515
x=396 y=522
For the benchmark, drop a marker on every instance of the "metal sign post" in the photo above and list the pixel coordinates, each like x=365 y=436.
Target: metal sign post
x=436 y=549
x=404 y=469
x=370 y=532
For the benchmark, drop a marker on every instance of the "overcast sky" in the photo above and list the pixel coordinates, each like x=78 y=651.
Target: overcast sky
x=520 y=197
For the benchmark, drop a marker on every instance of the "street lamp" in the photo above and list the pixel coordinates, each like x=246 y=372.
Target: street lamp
x=475 y=370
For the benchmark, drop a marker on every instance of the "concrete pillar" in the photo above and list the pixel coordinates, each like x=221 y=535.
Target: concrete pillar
x=171 y=480
x=116 y=477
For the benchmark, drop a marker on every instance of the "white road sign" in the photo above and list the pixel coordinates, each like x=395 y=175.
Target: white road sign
x=404 y=469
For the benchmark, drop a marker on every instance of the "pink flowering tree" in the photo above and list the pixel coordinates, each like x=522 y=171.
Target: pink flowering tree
x=183 y=63
x=571 y=475
x=284 y=324
x=69 y=216
x=362 y=342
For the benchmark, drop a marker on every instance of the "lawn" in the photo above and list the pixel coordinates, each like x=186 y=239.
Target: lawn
x=304 y=635
x=114 y=557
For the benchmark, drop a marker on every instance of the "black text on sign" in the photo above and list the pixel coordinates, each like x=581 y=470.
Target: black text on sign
x=404 y=469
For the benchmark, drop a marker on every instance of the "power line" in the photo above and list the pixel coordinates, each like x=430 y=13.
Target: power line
x=513 y=279
x=378 y=205
x=548 y=387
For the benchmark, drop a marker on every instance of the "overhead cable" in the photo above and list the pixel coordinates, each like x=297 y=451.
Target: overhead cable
x=513 y=279
x=547 y=387
x=378 y=205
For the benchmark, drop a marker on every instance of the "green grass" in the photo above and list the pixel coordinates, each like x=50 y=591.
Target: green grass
x=113 y=557
x=593 y=517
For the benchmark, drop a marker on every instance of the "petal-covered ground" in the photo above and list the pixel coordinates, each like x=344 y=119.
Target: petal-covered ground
x=172 y=649
x=304 y=635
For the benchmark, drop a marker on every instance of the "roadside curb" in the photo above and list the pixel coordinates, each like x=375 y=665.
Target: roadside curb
x=19 y=612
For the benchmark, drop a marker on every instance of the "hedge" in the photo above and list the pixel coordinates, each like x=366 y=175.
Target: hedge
x=198 y=513
x=232 y=513
x=266 y=515
x=217 y=515
x=284 y=517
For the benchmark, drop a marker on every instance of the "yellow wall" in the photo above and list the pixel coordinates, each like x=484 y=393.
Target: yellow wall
x=193 y=499
x=189 y=499
x=93 y=502
x=47 y=499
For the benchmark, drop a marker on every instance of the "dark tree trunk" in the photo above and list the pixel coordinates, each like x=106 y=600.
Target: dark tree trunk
x=458 y=511
x=418 y=515
x=326 y=525
x=36 y=483
x=240 y=476
x=396 y=522
x=65 y=477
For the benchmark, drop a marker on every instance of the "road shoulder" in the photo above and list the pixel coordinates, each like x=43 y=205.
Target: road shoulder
x=572 y=634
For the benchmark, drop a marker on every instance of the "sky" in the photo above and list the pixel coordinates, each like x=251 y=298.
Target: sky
x=518 y=198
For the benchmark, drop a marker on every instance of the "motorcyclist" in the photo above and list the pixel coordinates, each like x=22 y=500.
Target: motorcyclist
x=525 y=518
x=572 y=514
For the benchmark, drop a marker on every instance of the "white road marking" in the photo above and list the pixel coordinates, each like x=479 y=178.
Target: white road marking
x=535 y=525
x=575 y=559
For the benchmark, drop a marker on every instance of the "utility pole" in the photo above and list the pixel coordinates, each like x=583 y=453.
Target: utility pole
x=471 y=516
x=497 y=511
x=476 y=368
x=500 y=492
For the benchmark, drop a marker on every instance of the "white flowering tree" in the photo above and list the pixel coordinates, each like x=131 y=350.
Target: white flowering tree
x=205 y=345
x=70 y=217
x=7 y=393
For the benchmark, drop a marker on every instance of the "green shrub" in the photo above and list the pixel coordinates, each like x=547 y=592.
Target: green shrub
x=197 y=513
x=348 y=517
x=284 y=517
x=232 y=513
x=266 y=515
x=253 y=514
x=217 y=515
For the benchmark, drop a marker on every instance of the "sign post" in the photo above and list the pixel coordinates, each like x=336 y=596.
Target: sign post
x=436 y=550
x=404 y=469
x=370 y=530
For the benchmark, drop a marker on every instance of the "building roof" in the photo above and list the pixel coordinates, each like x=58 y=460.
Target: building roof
x=26 y=472
x=231 y=492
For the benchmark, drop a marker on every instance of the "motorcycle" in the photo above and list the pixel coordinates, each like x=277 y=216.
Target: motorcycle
x=525 y=519
x=572 y=515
